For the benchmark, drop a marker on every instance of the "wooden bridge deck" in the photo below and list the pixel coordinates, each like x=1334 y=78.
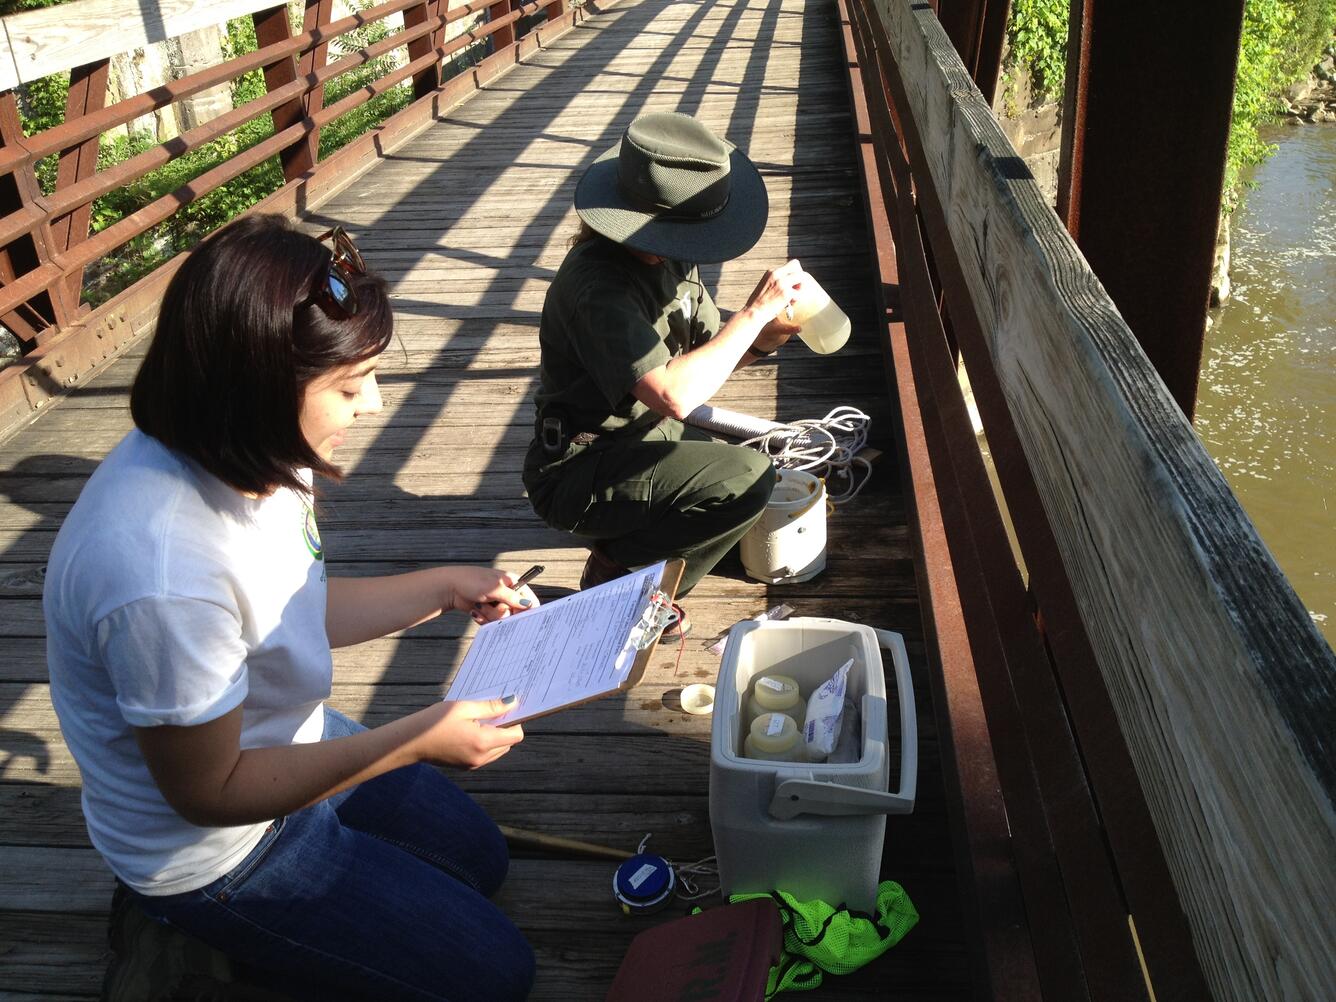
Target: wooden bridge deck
x=468 y=222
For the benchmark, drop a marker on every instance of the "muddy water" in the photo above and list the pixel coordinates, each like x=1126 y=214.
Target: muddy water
x=1267 y=401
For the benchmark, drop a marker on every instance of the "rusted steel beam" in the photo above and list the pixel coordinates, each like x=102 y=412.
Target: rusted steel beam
x=32 y=253
x=1141 y=870
x=316 y=16
x=1140 y=176
x=427 y=80
x=495 y=12
x=997 y=932
x=271 y=28
x=985 y=576
x=87 y=94
x=977 y=29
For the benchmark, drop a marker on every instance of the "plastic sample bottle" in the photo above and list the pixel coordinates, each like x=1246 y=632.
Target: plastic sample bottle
x=776 y=694
x=824 y=327
x=774 y=737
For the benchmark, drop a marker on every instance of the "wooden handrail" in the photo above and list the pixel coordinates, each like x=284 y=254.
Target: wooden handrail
x=1215 y=677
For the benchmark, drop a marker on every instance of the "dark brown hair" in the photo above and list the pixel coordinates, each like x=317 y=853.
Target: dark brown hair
x=585 y=232
x=237 y=343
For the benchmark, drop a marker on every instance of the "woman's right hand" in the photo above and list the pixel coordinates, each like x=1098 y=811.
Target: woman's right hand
x=778 y=288
x=460 y=734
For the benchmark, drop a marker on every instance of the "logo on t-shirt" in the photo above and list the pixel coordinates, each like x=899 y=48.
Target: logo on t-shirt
x=312 y=536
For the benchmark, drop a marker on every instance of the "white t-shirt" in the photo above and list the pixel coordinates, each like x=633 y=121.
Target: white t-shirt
x=172 y=598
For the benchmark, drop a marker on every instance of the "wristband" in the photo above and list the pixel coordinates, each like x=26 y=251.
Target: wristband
x=759 y=353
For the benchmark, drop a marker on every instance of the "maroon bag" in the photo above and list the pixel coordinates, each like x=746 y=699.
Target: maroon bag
x=720 y=955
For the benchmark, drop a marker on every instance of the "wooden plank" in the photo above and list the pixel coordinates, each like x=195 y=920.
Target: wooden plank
x=569 y=967
x=1220 y=681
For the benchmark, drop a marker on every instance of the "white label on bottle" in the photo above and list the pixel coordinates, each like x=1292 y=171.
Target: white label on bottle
x=772 y=683
x=776 y=724
x=641 y=875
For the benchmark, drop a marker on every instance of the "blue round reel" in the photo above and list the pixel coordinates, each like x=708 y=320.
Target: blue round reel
x=644 y=883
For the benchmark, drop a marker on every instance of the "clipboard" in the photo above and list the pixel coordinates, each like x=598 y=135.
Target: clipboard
x=578 y=648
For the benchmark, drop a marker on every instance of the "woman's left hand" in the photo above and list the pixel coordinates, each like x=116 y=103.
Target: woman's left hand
x=486 y=593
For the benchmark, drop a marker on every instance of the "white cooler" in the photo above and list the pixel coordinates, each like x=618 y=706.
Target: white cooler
x=814 y=830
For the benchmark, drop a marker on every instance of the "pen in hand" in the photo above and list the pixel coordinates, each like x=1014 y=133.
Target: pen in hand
x=528 y=576
x=523 y=579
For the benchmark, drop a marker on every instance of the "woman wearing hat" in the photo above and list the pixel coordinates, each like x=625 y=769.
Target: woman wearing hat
x=632 y=343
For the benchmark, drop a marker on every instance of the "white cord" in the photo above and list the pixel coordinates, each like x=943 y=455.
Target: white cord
x=826 y=447
x=687 y=888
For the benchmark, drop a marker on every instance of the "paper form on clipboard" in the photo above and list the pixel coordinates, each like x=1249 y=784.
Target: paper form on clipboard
x=579 y=647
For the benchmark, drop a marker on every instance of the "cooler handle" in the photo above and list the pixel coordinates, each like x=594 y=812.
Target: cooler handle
x=804 y=796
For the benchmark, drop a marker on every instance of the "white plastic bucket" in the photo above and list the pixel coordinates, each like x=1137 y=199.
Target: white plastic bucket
x=788 y=542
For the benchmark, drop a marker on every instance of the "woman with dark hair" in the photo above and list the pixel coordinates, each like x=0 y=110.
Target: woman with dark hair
x=632 y=343
x=189 y=627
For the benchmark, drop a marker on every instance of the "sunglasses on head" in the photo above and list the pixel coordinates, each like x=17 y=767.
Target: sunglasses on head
x=335 y=294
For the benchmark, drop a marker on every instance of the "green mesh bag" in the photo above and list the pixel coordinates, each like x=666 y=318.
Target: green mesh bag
x=819 y=937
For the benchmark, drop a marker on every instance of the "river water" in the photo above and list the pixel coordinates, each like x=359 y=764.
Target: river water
x=1266 y=406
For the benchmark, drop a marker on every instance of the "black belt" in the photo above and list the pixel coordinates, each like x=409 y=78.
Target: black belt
x=555 y=443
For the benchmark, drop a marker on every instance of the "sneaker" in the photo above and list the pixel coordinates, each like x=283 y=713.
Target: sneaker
x=599 y=569
x=676 y=631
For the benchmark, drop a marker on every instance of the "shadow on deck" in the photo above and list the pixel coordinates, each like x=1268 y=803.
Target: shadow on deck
x=468 y=222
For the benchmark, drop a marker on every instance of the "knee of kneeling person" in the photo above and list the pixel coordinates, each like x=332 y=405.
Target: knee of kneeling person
x=764 y=476
x=513 y=979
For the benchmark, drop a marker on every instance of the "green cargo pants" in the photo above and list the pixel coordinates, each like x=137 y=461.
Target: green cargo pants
x=671 y=491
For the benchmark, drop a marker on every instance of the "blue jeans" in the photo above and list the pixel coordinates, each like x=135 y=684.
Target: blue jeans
x=378 y=892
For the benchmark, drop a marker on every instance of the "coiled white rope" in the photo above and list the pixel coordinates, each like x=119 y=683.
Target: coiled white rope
x=826 y=447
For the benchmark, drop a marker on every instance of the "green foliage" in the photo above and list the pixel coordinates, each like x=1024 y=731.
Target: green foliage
x=1037 y=37
x=1282 y=40
x=18 y=6
x=1309 y=34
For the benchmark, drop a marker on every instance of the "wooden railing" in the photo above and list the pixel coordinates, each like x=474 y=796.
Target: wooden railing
x=45 y=243
x=1140 y=733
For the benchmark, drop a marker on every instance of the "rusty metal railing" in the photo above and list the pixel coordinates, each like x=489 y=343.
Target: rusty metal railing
x=45 y=243
x=1138 y=748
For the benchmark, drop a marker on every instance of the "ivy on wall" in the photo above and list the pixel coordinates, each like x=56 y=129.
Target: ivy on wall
x=1037 y=42
x=1282 y=41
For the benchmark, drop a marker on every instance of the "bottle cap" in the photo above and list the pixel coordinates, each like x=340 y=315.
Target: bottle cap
x=774 y=732
x=775 y=692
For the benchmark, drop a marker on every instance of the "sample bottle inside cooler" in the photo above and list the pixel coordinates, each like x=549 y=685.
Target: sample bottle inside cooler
x=775 y=738
x=823 y=326
x=776 y=694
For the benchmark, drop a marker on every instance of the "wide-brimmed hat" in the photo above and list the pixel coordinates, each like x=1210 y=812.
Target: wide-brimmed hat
x=671 y=187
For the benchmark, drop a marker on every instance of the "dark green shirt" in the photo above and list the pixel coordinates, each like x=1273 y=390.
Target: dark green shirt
x=608 y=320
